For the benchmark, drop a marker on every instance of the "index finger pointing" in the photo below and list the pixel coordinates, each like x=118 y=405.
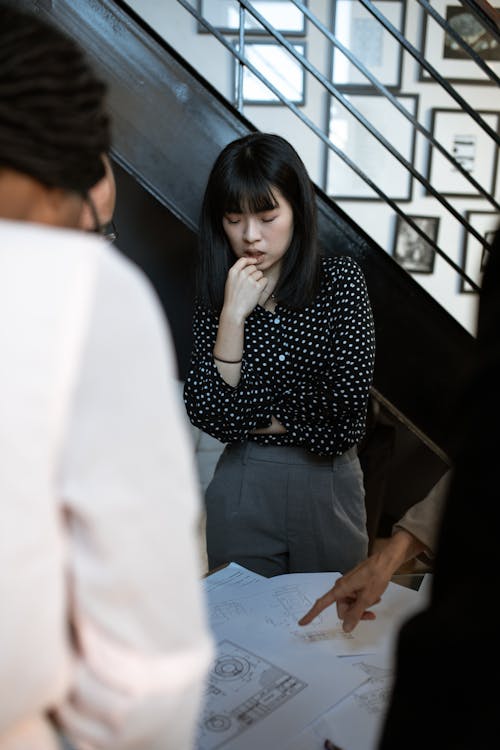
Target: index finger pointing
x=319 y=605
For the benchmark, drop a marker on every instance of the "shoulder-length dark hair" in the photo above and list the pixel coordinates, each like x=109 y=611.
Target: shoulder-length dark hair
x=244 y=175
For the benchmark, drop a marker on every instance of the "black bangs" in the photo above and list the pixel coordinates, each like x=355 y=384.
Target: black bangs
x=250 y=175
x=247 y=193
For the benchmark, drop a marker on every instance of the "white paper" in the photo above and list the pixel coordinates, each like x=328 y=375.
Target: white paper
x=281 y=601
x=355 y=722
x=425 y=588
x=233 y=578
x=261 y=695
x=274 y=682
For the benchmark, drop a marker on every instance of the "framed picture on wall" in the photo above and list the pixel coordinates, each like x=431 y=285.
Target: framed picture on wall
x=474 y=253
x=358 y=30
x=473 y=148
x=351 y=138
x=444 y=53
x=224 y=15
x=277 y=66
x=410 y=249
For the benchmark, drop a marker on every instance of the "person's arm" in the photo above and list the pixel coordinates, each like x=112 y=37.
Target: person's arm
x=423 y=519
x=244 y=287
x=362 y=587
x=142 y=642
x=334 y=399
x=225 y=412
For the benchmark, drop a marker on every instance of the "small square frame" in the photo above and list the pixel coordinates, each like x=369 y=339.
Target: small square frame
x=410 y=249
x=449 y=59
x=465 y=140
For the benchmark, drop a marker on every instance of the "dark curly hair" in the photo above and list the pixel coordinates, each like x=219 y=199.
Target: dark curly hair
x=53 y=122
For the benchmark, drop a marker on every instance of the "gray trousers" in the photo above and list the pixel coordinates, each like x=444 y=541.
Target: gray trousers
x=275 y=509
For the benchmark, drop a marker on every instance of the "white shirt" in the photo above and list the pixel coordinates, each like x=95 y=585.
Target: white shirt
x=99 y=504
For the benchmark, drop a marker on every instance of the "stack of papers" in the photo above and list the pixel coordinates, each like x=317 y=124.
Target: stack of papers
x=276 y=684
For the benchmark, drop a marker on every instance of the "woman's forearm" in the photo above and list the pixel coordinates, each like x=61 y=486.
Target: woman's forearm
x=228 y=348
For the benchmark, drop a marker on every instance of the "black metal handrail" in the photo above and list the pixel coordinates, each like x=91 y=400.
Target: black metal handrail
x=413 y=51
x=357 y=114
x=460 y=41
x=245 y=6
x=403 y=111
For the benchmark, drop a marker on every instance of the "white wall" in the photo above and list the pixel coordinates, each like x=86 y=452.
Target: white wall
x=214 y=62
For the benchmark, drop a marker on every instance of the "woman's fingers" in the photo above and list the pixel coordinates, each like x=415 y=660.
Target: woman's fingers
x=319 y=605
x=244 y=286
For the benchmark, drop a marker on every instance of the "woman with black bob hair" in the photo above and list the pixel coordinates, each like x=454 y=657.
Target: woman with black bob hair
x=244 y=174
x=281 y=369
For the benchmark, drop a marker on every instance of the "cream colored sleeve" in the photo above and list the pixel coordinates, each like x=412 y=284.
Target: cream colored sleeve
x=129 y=484
x=423 y=519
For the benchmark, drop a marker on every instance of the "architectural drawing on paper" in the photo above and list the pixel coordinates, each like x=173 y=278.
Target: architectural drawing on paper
x=243 y=689
x=373 y=700
x=323 y=635
x=376 y=674
x=225 y=612
x=373 y=696
x=289 y=604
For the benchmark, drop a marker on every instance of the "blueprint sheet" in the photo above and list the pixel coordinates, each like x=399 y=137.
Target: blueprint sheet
x=274 y=683
x=356 y=721
x=260 y=695
x=279 y=602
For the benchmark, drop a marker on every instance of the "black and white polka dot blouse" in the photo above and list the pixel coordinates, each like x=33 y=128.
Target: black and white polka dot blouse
x=312 y=369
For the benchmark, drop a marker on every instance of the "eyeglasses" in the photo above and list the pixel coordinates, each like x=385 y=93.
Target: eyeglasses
x=108 y=230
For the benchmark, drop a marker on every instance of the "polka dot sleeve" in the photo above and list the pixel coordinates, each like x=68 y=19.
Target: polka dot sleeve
x=224 y=412
x=326 y=411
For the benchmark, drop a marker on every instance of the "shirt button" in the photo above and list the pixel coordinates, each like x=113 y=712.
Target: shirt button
x=282 y=358
x=277 y=320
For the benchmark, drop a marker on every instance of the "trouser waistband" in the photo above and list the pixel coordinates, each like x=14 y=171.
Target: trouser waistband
x=285 y=454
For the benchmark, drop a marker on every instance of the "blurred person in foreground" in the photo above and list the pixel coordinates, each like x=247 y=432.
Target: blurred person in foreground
x=443 y=696
x=103 y=633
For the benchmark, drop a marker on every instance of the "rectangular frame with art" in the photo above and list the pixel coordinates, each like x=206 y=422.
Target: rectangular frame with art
x=410 y=249
x=449 y=58
x=363 y=34
x=279 y=67
x=364 y=150
x=224 y=15
x=474 y=254
x=475 y=151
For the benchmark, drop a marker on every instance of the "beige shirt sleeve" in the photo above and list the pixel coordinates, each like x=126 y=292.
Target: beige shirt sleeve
x=423 y=519
x=129 y=486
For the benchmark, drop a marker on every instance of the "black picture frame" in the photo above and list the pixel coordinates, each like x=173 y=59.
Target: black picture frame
x=372 y=157
x=446 y=56
x=474 y=253
x=282 y=14
x=410 y=249
x=465 y=140
x=278 y=66
x=358 y=30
